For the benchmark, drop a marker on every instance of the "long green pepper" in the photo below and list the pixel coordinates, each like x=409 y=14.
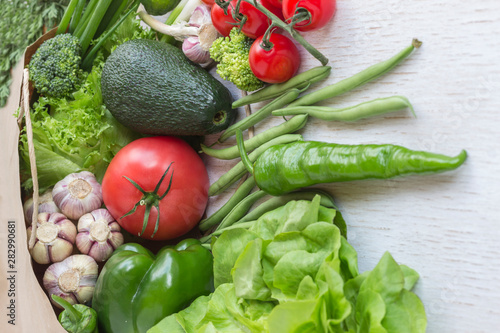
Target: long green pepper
x=287 y=167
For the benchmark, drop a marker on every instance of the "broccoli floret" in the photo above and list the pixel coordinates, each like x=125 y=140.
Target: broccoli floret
x=55 y=67
x=231 y=53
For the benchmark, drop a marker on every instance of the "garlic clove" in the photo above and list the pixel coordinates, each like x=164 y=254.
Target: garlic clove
x=55 y=236
x=193 y=51
x=201 y=15
x=77 y=194
x=72 y=279
x=46 y=204
x=98 y=234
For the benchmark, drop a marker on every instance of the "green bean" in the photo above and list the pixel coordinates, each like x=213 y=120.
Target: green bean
x=260 y=114
x=239 y=170
x=278 y=201
x=356 y=80
x=207 y=238
x=241 y=209
x=290 y=126
x=219 y=215
x=300 y=81
x=364 y=110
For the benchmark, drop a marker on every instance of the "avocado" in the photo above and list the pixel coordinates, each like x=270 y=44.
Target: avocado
x=152 y=88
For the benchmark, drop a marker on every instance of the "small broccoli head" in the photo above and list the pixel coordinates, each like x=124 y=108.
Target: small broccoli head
x=55 y=67
x=231 y=53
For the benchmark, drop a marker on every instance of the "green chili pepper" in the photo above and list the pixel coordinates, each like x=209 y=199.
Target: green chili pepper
x=76 y=318
x=239 y=170
x=364 y=110
x=365 y=76
x=290 y=126
x=300 y=81
x=136 y=289
x=287 y=167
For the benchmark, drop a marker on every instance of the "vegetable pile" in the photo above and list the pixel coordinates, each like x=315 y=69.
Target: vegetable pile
x=121 y=228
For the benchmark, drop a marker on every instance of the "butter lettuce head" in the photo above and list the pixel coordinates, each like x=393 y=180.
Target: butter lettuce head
x=293 y=271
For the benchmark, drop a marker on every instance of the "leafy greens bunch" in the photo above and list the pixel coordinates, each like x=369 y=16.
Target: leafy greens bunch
x=78 y=133
x=293 y=271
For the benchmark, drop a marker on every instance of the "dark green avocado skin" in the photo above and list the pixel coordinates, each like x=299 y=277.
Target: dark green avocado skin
x=152 y=88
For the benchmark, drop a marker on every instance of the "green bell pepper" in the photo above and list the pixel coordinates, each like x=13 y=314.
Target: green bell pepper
x=136 y=289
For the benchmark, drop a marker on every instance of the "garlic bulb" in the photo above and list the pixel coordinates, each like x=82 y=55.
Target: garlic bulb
x=98 y=234
x=77 y=194
x=55 y=236
x=72 y=279
x=45 y=205
x=193 y=51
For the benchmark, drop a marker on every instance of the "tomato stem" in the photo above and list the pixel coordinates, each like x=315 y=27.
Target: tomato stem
x=150 y=199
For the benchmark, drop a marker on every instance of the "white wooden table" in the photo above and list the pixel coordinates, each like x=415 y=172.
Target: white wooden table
x=445 y=226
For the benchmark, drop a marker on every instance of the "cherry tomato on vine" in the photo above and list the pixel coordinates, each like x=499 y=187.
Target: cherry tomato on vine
x=276 y=3
x=277 y=64
x=274 y=6
x=208 y=2
x=133 y=182
x=321 y=12
x=223 y=23
x=256 y=22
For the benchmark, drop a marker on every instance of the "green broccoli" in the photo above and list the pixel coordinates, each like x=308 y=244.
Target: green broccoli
x=55 y=67
x=231 y=53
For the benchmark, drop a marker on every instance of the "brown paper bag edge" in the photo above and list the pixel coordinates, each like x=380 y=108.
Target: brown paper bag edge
x=34 y=310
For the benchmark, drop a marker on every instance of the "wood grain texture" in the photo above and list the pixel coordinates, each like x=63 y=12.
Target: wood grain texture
x=445 y=226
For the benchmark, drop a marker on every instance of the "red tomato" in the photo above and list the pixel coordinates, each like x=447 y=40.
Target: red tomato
x=276 y=3
x=223 y=23
x=256 y=22
x=321 y=11
x=278 y=64
x=208 y=2
x=145 y=161
x=274 y=6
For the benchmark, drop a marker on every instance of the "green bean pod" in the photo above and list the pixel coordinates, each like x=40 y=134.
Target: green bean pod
x=299 y=81
x=277 y=201
x=260 y=114
x=241 y=209
x=239 y=170
x=217 y=217
x=352 y=113
x=284 y=168
x=290 y=126
x=365 y=76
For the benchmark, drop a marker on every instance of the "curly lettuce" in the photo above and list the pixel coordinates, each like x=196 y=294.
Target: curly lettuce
x=78 y=133
x=71 y=135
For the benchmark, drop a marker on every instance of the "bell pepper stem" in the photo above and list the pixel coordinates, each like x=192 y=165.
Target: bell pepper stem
x=73 y=313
